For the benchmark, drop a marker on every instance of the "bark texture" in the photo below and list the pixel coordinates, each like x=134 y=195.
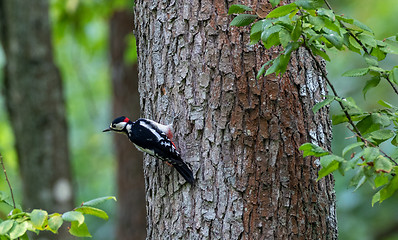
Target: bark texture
x=130 y=177
x=241 y=135
x=35 y=103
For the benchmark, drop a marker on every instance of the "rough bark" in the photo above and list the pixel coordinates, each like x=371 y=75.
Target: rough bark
x=130 y=177
x=35 y=103
x=241 y=135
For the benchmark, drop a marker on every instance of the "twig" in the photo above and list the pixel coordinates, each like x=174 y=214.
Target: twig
x=361 y=44
x=392 y=84
x=324 y=75
x=8 y=181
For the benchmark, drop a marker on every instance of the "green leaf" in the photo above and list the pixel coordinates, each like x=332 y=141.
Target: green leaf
x=73 y=216
x=327 y=13
x=270 y=37
x=329 y=163
x=284 y=37
x=344 y=19
x=362 y=26
x=18 y=230
x=381 y=179
x=356 y=72
x=341 y=118
x=93 y=211
x=321 y=53
x=382 y=134
x=238 y=8
x=284 y=60
x=359 y=179
x=272 y=40
x=370 y=60
x=370 y=84
x=393 y=76
x=370 y=154
x=349 y=103
x=326 y=101
x=243 y=20
x=367 y=39
x=55 y=222
x=282 y=10
x=274 y=67
x=391 y=46
x=375 y=198
x=310 y=149
x=274 y=2
x=389 y=190
x=383 y=164
x=310 y=4
x=6 y=226
x=351 y=146
x=334 y=39
x=385 y=104
x=38 y=218
x=379 y=54
x=296 y=30
x=79 y=230
x=377 y=69
x=98 y=201
x=255 y=32
x=381 y=119
x=262 y=69
x=394 y=141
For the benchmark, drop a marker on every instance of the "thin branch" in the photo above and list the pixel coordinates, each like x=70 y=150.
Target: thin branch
x=324 y=75
x=392 y=84
x=8 y=181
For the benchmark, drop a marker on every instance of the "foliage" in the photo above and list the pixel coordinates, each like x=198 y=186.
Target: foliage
x=305 y=23
x=19 y=222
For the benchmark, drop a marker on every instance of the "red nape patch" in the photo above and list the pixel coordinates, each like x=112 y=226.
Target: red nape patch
x=126 y=120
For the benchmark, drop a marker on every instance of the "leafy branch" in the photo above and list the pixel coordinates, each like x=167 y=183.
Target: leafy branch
x=19 y=222
x=305 y=23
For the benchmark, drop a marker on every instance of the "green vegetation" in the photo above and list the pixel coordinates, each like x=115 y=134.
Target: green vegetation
x=305 y=23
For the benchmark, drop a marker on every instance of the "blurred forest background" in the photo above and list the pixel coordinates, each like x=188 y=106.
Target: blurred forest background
x=81 y=41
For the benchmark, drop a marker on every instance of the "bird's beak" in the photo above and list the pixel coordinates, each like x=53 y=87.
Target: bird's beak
x=106 y=130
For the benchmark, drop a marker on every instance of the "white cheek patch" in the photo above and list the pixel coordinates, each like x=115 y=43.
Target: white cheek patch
x=120 y=126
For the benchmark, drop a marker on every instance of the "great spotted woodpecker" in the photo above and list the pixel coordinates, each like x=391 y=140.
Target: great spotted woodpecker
x=153 y=138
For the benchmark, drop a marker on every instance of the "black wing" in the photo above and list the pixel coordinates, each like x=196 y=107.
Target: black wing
x=155 y=142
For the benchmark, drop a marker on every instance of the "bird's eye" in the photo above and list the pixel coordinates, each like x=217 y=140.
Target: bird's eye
x=113 y=125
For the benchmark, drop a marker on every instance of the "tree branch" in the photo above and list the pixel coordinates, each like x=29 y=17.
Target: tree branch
x=8 y=181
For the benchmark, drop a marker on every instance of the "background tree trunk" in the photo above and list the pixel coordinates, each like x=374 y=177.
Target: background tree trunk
x=241 y=135
x=130 y=177
x=35 y=103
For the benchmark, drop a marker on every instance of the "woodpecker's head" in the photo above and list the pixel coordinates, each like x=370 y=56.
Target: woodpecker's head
x=118 y=125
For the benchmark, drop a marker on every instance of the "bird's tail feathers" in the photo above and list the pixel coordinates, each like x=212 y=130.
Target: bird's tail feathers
x=185 y=171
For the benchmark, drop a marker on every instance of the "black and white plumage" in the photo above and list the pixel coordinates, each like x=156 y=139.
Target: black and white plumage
x=153 y=138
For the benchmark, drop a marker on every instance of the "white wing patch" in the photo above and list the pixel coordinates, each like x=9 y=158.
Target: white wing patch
x=154 y=132
x=166 y=129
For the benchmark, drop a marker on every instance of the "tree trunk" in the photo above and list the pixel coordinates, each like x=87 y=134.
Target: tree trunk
x=35 y=103
x=241 y=135
x=131 y=195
